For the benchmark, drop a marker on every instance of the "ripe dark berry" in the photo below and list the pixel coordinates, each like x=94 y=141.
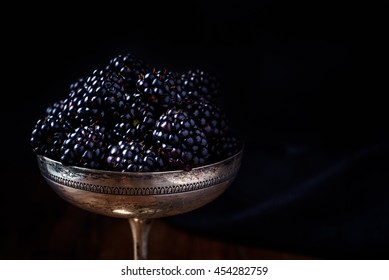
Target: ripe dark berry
x=133 y=157
x=209 y=117
x=161 y=88
x=130 y=118
x=101 y=99
x=200 y=85
x=48 y=135
x=182 y=144
x=129 y=67
x=85 y=147
x=137 y=121
x=226 y=146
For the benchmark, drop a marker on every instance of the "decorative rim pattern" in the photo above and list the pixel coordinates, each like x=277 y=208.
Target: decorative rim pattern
x=131 y=191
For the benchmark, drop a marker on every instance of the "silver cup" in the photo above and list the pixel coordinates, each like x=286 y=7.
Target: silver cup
x=140 y=196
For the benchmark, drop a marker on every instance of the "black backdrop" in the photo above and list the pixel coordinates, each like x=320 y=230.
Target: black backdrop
x=300 y=83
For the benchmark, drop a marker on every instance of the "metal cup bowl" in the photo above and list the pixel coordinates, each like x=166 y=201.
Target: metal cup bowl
x=143 y=195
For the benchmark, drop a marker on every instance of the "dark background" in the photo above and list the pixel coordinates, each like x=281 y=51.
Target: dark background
x=301 y=83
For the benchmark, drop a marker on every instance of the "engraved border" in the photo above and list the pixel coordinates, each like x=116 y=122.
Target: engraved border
x=131 y=191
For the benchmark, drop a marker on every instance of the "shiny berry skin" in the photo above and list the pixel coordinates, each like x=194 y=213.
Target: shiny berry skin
x=85 y=147
x=182 y=144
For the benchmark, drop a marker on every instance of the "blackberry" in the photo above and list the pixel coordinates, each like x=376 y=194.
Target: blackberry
x=128 y=117
x=133 y=157
x=77 y=84
x=209 y=117
x=85 y=147
x=75 y=109
x=55 y=109
x=100 y=100
x=137 y=121
x=226 y=146
x=48 y=135
x=200 y=85
x=113 y=97
x=161 y=88
x=129 y=67
x=152 y=160
x=182 y=144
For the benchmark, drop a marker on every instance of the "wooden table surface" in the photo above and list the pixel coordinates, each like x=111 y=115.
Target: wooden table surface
x=43 y=226
x=81 y=235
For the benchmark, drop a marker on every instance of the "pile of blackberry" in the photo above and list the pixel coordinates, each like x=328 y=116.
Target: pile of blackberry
x=130 y=117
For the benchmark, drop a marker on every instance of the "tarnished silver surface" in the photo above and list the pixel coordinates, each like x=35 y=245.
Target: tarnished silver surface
x=139 y=195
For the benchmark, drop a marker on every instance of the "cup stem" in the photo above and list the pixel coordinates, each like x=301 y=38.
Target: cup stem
x=140 y=229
